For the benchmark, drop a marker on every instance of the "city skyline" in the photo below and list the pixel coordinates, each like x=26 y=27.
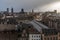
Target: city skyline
x=38 y=5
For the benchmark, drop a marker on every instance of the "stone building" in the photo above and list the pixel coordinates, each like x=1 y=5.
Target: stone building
x=8 y=35
x=49 y=34
x=54 y=22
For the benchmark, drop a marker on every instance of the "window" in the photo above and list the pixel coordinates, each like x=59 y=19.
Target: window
x=19 y=35
x=48 y=38
x=39 y=39
x=0 y=22
x=56 y=38
x=44 y=38
x=32 y=39
x=59 y=39
x=59 y=35
x=32 y=35
x=3 y=22
x=53 y=38
x=39 y=36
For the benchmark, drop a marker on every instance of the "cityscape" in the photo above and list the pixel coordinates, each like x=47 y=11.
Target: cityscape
x=29 y=19
x=29 y=25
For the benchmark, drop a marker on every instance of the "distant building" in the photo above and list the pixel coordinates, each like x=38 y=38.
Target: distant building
x=12 y=10
x=22 y=10
x=7 y=10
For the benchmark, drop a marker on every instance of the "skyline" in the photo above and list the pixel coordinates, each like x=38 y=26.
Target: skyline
x=28 y=5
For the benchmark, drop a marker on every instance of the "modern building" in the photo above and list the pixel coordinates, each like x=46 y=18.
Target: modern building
x=7 y=10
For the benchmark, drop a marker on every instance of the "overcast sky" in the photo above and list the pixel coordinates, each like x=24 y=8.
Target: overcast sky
x=26 y=4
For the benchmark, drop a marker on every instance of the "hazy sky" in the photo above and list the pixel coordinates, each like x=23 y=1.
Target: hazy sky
x=26 y=4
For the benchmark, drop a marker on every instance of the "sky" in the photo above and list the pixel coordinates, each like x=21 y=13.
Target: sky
x=28 y=5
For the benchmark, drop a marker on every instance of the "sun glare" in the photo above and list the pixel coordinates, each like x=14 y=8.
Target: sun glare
x=50 y=7
x=55 y=5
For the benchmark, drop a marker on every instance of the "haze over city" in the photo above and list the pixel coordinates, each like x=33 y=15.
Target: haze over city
x=29 y=20
x=28 y=5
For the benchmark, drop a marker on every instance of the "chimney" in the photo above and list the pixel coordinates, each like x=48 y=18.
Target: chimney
x=7 y=10
x=11 y=10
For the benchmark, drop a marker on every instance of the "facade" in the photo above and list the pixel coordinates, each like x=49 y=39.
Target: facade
x=50 y=34
x=35 y=36
x=58 y=35
x=54 y=22
x=8 y=35
x=50 y=37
